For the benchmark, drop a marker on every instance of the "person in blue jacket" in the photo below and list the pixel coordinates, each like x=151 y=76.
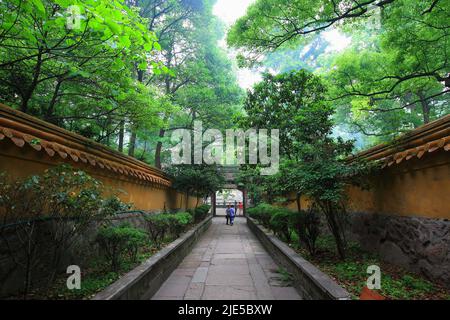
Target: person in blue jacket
x=232 y=213
x=227 y=213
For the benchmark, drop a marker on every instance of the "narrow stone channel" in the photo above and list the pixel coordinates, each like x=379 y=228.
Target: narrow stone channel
x=228 y=262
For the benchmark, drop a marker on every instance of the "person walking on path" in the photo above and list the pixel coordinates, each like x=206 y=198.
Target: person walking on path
x=240 y=207
x=227 y=213
x=232 y=215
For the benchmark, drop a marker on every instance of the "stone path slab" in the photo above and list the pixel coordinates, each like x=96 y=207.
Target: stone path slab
x=227 y=263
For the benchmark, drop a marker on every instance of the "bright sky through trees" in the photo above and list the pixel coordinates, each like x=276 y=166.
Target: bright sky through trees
x=230 y=10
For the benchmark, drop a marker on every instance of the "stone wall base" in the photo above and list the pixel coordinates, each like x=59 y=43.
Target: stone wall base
x=421 y=245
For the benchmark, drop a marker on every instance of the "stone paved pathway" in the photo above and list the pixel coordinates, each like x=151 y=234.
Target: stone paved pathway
x=229 y=263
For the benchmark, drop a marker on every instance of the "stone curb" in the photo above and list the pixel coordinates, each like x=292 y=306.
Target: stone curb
x=144 y=281
x=312 y=283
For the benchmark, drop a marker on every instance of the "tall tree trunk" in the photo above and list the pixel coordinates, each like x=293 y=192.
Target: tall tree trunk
x=198 y=200
x=108 y=131
x=132 y=144
x=335 y=227
x=159 y=149
x=121 y=135
x=163 y=131
x=29 y=92
x=51 y=108
x=425 y=108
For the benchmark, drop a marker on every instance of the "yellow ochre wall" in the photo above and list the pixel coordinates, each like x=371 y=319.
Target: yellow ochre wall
x=29 y=146
x=21 y=162
x=414 y=178
x=415 y=188
x=418 y=187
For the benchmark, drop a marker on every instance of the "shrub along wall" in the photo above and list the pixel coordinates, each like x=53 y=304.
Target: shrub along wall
x=145 y=280
x=12 y=275
x=405 y=214
x=91 y=244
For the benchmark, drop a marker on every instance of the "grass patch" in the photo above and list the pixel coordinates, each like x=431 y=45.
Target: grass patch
x=285 y=277
x=96 y=276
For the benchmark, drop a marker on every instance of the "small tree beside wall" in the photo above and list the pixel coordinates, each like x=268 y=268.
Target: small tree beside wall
x=198 y=180
x=313 y=162
x=44 y=215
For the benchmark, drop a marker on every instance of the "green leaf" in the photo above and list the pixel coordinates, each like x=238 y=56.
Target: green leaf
x=125 y=41
x=114 y=27
x=39 y=5
x=148 y=46
x=157 y=46
x=142 y=66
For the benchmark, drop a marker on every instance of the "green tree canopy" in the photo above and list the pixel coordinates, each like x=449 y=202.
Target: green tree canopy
x=394 y=76
x=293 y=102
